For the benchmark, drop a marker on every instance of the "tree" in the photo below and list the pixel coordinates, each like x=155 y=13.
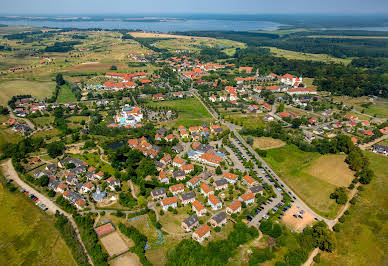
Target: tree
x=218 y=170
x=340 y=195
x=59 y=79
x=54 y=149
x=141 y=200
x=276 y=231
x=43 y=181
x=113 y=67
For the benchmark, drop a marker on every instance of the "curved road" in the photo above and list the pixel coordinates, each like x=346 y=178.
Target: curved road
x=28 y=122
x=9 y=171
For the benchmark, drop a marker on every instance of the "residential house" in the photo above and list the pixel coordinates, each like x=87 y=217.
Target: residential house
x=51 y=167
x=176 y=189
x=201 y=233
x=178 y=162
x=199 y=208
x=249 y=181
x=205 y=175
x=166 y=159
x=235 y=207
x=158 y=97
x=178 y=148
x=187 y=168
x=219 y=219
x=220 y=184
x=163 y=178
x=112 y=183
x=87 y=187
x=231 y=178
x=206 y=190
x=192 y=183
x=214 y=202
x=189 y=223
x=248 y=198
x=75 y=161
x=179 y=175
x=169 y=202
x=158 y=193
x=377 y=148
x=187 y=198
x=99 y=175
x=256 y=189
x=159 y=165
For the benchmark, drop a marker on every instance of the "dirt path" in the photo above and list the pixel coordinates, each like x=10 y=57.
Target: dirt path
x=10 y=172
x=102 y=155
x=366 y=145
x=310 y=259
x=132 y=189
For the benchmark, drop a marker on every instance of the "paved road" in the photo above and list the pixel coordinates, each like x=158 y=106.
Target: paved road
x=9 y=170
x=297 y=200
x=28 y=122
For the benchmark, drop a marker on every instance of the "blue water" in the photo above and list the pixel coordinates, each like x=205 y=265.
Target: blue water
x=169 y=26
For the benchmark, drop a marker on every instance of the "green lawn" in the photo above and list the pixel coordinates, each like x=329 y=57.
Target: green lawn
x=364 y=235
x=27 y=236
x=293 y=166
x=190 y=112
x=94 y=160
x=39 y=89
x=66 y=95
x=246 y=120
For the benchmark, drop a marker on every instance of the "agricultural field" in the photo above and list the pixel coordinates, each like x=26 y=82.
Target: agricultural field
x=6 y=133
x=27 y=236
x=363 y=237
x=191 y=43
x=264 y=143
x=378 y=108
x=307 y=56
x=312 y=176
x=39 y=89
x=66 y=95
x=190 y=112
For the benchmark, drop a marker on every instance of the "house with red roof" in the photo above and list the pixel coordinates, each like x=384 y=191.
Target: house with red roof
x=249 y=180
x=367 y=132
x=104 y=229
x=214 y=202
x=192 y=183
x=163 y=178
x=231 y=178
x=201 y=233
x=178 y=162
x=158 y=97
x=206 y=190
x=248 y=198
x=267 y=107
x=235 y=207
x=166 y=159
x=199 y=209
x=246 y=69
x=187 y=168
x=169 y=202
x=176 y=189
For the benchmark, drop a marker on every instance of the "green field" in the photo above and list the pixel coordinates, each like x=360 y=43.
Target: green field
x=190 y=112
x=364 y=235
x=27 y=236
x=66 y=95
x=246 y=120
x=305 y=172
x=94 y=160
x=39 y=89
x=307 y=56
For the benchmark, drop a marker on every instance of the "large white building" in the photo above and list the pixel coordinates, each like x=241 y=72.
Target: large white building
x=129 y=116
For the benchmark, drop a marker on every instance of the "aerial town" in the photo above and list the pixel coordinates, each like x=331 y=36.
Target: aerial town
x=147 y=148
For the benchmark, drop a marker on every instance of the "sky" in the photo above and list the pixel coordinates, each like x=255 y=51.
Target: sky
x=67 y=7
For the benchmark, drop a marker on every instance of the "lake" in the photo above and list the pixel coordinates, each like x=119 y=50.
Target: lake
x=168 y=26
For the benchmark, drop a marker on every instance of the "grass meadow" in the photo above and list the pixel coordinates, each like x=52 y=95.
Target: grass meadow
x=27 y=236
x=190 y=112
x=312 y=176
x=39 y=89
x=364 y=235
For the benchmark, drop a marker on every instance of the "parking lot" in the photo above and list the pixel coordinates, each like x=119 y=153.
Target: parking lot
x=297 y=218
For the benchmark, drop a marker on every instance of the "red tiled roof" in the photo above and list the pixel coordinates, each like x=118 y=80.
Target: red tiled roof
x=187 y=167
x=177 y=187
x=213 y=199
x=249 y=179
x=178 y=160
x=203 y=230
x=235 y=205
x=198 y=206
x=230 y=176
x=194 y=180
x=247 y=196
x=169 y=201
x=205 y=188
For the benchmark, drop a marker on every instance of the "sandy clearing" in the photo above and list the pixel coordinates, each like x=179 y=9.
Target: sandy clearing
x=127 y=259
x=297 y=224
x=114 y=244
x=265 y=143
